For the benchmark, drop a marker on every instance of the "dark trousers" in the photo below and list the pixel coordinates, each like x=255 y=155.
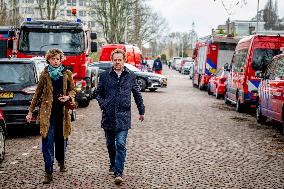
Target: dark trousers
x=115 y=142
x=55 y=135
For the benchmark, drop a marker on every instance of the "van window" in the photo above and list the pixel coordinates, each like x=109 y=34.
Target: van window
x=239 y=60
x=279 y=69
x=262 y=57
x=227 y=46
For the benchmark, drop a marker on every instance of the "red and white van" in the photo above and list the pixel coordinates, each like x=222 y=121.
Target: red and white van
x=133 y=53
x=251 y=54
x=271 y=92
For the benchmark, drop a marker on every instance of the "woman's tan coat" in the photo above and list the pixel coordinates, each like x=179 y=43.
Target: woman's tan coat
x=45 y=90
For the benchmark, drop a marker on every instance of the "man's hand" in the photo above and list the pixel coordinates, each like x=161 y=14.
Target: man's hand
x=29 y=117
x=64 y=98
x=141 y=118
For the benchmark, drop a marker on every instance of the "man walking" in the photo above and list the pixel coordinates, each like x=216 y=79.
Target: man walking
x=114 y=97
x=157 y=65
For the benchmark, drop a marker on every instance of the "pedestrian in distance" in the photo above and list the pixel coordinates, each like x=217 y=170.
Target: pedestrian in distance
x=54 y=89
x=169 y=64
x=157 y=65
x=114 y=98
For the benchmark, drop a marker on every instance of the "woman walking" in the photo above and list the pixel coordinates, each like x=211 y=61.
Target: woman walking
x=55 y=87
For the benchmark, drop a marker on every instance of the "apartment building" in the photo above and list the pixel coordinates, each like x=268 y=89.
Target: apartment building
x=30 y=9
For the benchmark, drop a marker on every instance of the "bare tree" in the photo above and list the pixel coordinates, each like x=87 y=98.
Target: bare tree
x=131 y=21
x=270 y=16
x=3 y=12
x=47 y=9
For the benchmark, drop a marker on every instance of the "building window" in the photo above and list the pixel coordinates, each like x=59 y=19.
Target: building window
x=82 y=2
x=71 y=2
x=82 y=13
x=68 y=13
x=62 y=2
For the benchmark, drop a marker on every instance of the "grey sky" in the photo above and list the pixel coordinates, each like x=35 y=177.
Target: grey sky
x=206 y=14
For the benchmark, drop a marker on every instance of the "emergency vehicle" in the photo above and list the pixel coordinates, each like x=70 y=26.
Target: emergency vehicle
x=34 y=38
x=252 y=53
x=4 y=36
x=133 y=53
x=210 y=55
x=271 y=92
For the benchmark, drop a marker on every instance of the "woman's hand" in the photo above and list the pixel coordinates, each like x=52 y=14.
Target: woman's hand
x=29 y=117
x=64 y=98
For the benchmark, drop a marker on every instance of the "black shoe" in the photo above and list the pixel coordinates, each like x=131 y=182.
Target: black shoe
x=47 y=178
x=62 y=167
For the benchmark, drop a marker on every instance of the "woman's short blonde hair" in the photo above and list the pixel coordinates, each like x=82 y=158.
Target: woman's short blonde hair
x=53 y=52
x=118 y=51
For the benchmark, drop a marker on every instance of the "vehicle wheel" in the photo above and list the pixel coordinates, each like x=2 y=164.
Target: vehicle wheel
x=259 y=117
x=142 y=84
x=84 y=103
x=2 y=144
x=239 y=106
x=217 y=95
x=153 y=89
x=226 y=98
x=208 y=90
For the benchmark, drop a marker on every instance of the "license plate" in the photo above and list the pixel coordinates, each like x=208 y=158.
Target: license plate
x=6 y=95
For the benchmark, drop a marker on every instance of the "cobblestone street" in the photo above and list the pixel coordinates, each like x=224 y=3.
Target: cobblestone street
x=188 y=140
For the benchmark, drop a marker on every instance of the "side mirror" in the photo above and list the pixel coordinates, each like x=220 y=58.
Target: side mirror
x=94 y=47
x=93 y=36
x=259 y=74
x=227 y=67
x=10 y=44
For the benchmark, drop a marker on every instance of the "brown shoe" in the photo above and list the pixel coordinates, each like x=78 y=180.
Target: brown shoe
x=62 y=167
x=47 y=178
x=118 y=180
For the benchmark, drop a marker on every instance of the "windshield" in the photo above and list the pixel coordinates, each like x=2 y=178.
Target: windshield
x=69 y=41
x=262 y=57
x=16 y=73
x=131 y=67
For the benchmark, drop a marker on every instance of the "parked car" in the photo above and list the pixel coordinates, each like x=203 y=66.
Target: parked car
x=18 y=82
x=148 y=80
x=217 y=83
x=102 y=66
x=270 y=102
x=187 y=67
x=2 y=136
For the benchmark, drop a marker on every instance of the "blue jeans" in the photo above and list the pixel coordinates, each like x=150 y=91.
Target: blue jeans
x=54 y=135
x=115 y=142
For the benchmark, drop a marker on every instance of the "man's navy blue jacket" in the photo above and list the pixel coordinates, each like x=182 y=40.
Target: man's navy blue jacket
x=114 y=97
x=157 y=65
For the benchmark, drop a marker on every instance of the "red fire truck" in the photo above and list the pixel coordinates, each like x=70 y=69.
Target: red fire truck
x=133 y=53
x=35 y=37
x=4 y=51
x=210 y=55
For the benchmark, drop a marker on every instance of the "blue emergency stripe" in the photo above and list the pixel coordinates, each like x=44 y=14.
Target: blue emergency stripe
x=211 y=63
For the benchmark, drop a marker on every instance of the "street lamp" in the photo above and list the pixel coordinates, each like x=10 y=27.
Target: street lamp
x=257 y=16
x=125 y=32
